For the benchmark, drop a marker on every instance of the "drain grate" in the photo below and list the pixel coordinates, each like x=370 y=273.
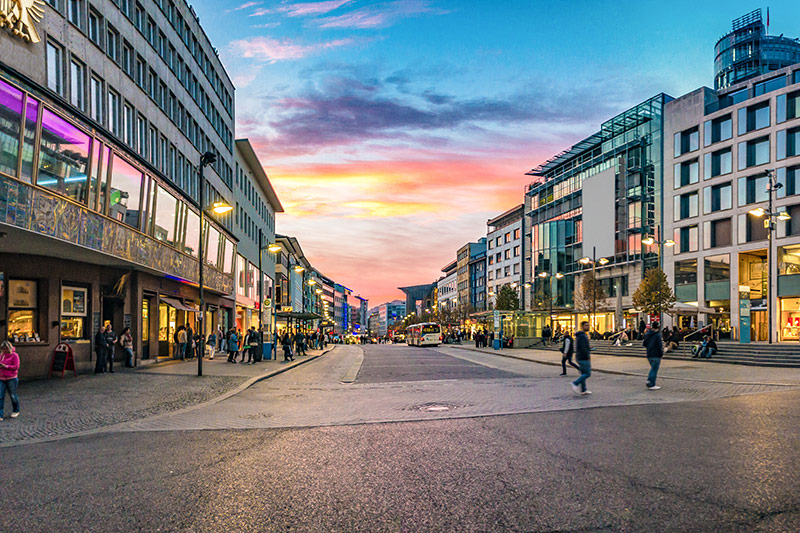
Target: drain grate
x=435 y=407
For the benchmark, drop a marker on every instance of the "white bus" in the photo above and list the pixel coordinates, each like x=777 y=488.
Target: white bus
x=426 y=334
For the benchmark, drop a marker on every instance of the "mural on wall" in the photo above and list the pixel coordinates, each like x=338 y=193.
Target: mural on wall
x=23 y=206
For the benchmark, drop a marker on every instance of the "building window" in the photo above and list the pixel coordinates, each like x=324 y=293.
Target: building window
x=63 y=157
x=687 y=141
x=75 y=12
x=112 y=44
x=128 y=124
x=686 y=272
x=95 y=27
x=751 y=228
x=787 y=106
x=516 y=251
x=767 y=86
x=719 y=129
x=73 y=313
x=139 y=74
x=685 y=239
x=717 y=233
x=113 y=112
x=753 y=189
x=685 y=206
x=11 y=112
x=787 y=143
x=77 y=80
x=717 y=267
x=717 y=198
x=126 y=190
x=164 y=223
x=717 y=163
x=686 y=173
x=23 y=311
x=753 y=117
x=790 y=179
x=517 y=233
x=96 y=99
x=153 y=145
x=141 y=136
x=55 y=68
x=753 y=153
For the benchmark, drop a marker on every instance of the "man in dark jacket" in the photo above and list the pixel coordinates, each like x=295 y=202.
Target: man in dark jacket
x=582 y=350
x=111 y=340
x=655 y=350
x=100 y=346
x=567 y=349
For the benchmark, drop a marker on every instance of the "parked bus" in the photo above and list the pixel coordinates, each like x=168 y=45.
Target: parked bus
x=426 y=334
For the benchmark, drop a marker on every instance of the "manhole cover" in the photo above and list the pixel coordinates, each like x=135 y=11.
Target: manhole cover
x=435 y=407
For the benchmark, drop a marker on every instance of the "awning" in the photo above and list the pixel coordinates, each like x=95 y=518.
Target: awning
x=177 y=304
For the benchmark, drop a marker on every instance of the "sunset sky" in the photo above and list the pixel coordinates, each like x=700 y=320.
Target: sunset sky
x=393 y=130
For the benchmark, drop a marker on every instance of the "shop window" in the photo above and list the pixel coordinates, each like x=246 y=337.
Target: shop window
x=685 y=206
x=790 y=319
x=686 y=272
x=126 y=191
x=719 y=129
x=23 y=311
x=685 y=239
x=717 y=163
x=11 y=117
x=29 y=139
x=787 y=143
x=717 y=198
x=687 y=141
x=73 y=313
x=166 y=213
x=63 y=157
x=789 y=260
x=753 y=189
x=753 y=117
x=192 y=237
x=212 y=250
x=686 y=173
x=717 y=267
x=716 y=233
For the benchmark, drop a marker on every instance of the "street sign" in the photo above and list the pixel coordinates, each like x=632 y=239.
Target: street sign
x=496 y=319
x=267 y=302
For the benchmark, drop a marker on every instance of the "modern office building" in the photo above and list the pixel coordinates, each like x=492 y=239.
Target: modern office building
x=723 y=147
x=749 y=51
x=447 y=288
x=388 y=314
x=254 y=226
x=477 y=276
x=106 y=109
x=504 y=252
x=596 y=199
x=467 y=285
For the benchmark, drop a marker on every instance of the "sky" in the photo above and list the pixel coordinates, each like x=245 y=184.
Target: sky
x=393 y=130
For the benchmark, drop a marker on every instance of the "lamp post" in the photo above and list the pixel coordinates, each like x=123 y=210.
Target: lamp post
x=272 y=248
x=593 y=261
x=770 y=224
x=649 y=241
x=219 y=208
x=544 y=275
x=299 y=269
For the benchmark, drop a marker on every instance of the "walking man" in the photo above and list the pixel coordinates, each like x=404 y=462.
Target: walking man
x=655 y=350
x=182 y=342
x=111 y=340
x=567 y=349
x=582 y=350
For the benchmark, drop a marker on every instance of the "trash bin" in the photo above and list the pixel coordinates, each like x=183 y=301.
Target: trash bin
x=266 y=350
x=496 y=344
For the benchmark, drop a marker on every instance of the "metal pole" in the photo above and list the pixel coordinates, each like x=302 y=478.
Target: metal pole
x=260 y=282
x=770 y=218
x=200 y=254
x=594 y=286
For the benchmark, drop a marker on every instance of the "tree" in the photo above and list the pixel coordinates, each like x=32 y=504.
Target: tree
x=654 y=295
x=590 y=294
x=507 y=299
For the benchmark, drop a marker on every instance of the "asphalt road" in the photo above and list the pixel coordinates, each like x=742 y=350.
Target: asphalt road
x=716 y=465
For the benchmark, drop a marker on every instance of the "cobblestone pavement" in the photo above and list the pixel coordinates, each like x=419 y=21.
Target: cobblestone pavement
x=58 y=407
x=316 y=395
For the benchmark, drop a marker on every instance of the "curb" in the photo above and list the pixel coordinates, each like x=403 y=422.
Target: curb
x=121 y=425
x=636 y=374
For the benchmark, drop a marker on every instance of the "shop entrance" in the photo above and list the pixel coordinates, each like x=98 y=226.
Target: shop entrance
x=758 y=328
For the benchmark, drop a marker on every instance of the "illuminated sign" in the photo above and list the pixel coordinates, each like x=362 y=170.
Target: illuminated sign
x=20 y=15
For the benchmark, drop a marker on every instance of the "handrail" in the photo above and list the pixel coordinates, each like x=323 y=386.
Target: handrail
x=701 y=330
x=620 y=332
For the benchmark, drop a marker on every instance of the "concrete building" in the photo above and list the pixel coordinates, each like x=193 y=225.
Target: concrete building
x=447 y=288
x=477 y=276
x=723 y=146
x=468 y=286
x=504 y=252
x=254 y=226
x=106 y=110
x=388 y=314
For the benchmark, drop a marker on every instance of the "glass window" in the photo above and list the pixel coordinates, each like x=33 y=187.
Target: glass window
x=77 y=85
x=769 y=85
x=212 y=251
x=717 y=267
x=73 y=313
x=96 y=99
x=227 y=256
x=23 y=312
x=192 y=240
x=165 y=217
x=55 y=68
x=10 y=120
x=685 y=239
x=717 y=233
x=241 y=271
x=126 y=191
x=63 y=157
x=29 y=140
x=113 y=112
x=717 y=198
x=686 y=272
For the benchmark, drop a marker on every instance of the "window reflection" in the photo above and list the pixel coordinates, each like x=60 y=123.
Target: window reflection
x=192 y=233
x=63 y=157
x=125 y=198
x=10 y=119
x=166 y=209
x=29 y=142
x=98 y=164
x=213 y=245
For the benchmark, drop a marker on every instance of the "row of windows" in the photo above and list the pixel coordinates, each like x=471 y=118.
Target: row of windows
x=57 y=155
x=505 y=255
x=505 y=239
x=255 y=199
x=503 y=272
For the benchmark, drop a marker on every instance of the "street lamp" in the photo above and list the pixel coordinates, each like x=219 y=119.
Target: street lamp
x=649 y=241
x=220 y=208
x=769 y=223
x=593 y=261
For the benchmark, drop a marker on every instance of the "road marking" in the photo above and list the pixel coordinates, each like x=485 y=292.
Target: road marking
x=352 y=372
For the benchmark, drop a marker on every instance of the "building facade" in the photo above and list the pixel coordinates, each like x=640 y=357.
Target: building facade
x=477 y=276
x=504 y=253
x=388 y=314
x=106 y=109
x=447 y=289
x=724 y=145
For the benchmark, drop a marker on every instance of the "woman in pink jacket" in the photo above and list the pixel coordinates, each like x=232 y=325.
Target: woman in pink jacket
x=9 y=365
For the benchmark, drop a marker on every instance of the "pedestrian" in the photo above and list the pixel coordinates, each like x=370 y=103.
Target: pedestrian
x=176 y=342
x=182 y=342
x=100 y=349
x=111 y=340
x=567 y=349
x=189 y=347
x=286 y=343
x=546 y=334
x=642 y=327
x=233 y=346
x=9 y=368
x=252 y=343
x=211 y=344
x=582 y=355
x=655 y=351
x=221 y=339
x=126 y=340
x=298 y=342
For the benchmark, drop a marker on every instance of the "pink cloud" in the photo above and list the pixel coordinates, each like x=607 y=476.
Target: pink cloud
x=312 y=8
x=271 y=50
x=381 y=15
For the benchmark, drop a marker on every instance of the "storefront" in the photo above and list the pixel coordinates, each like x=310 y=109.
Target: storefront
x=789 y=326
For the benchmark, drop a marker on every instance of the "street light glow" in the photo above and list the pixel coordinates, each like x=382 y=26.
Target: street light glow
x=299 y=269
x=602 y=260
x=312 y=282
x=783 y=215
x=542 y=274
x=757 y=212
x=221 y=208
x=585 y=260
x=274 y=248
x=559 y=275
x=669 y=242
x=648 y=241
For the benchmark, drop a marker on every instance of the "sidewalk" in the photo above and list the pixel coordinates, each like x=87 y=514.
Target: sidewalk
x=71 y=406
x=691 y=370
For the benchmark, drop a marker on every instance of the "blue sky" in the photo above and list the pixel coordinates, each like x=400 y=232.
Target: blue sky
x=393 y=130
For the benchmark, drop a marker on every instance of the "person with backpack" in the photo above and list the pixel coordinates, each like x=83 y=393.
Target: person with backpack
x=567 y=349
x=582 y=355
x=655 y=351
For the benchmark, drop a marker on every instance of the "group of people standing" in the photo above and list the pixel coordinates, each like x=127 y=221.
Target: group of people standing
x=483 y=339
x=104 y=342
x=580 y=348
